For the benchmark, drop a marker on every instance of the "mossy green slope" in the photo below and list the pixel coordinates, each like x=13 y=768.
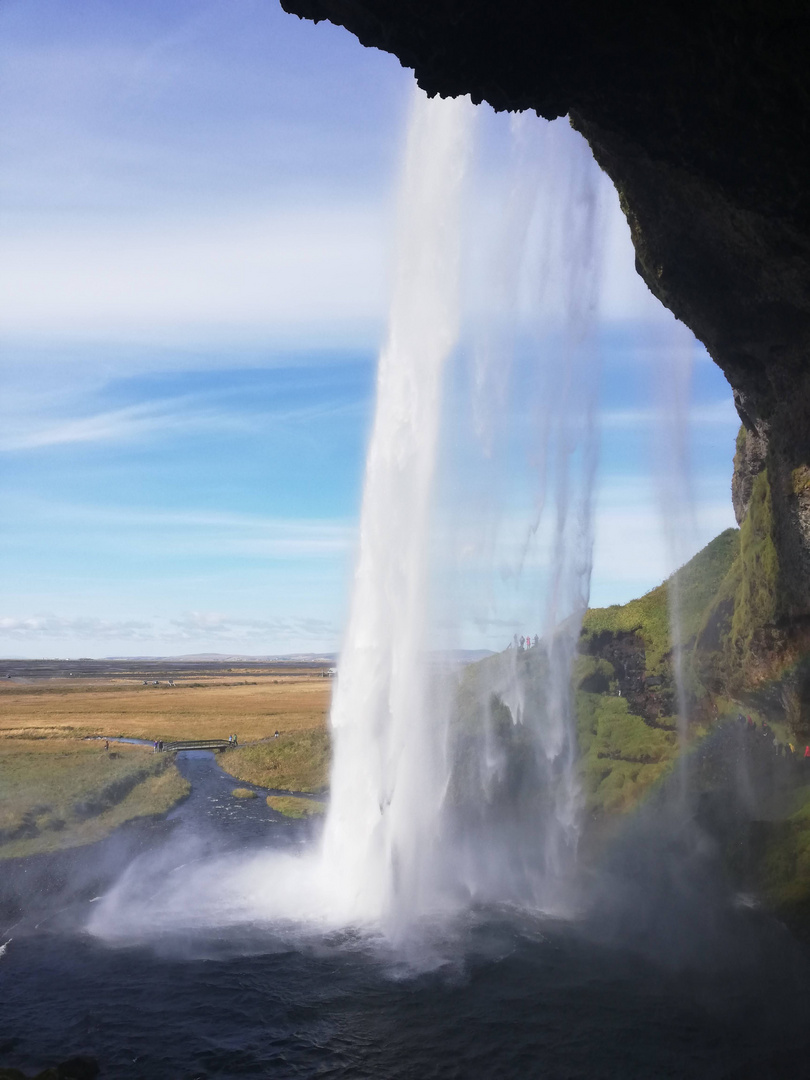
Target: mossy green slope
x=696 y=584
x=627 y=731
x=621 y=755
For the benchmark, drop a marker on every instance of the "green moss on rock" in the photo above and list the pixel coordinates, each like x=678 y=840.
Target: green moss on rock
x=731 y=643
x=622 y=756
x=627 y=731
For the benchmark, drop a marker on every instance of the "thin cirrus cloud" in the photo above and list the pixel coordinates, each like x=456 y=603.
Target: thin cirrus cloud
x=182 y=415
x=119 y=425
x=195 y=624
x=191 y=626
x=35 y=627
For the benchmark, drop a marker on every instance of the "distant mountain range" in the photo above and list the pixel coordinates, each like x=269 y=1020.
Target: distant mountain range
x=458 y=656
x=461 y=655
x=235 y=658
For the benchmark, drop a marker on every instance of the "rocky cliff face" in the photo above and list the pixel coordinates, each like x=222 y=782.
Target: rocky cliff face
x=746 y=649
x=749 y=461
x=700 y=113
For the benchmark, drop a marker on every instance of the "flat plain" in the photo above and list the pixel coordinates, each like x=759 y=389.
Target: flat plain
x=59 y=786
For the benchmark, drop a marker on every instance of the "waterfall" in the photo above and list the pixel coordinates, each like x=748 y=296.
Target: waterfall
x=451 y=788
x=433 y=804
x=529 y=430
x=388 y=753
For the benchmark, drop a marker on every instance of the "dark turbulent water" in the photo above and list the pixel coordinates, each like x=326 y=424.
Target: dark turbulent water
x=512 y=998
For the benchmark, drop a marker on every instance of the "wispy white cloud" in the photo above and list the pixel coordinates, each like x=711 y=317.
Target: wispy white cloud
x=634 y=550
x=180 y=415
x=35 y=627
x=194 y=625
x=118 y=425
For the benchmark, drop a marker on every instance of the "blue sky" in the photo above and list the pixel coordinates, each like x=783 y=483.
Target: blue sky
x=195 y=232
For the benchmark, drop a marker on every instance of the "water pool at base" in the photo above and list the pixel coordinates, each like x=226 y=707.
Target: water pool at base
x=553 y=1007
x=508 y=996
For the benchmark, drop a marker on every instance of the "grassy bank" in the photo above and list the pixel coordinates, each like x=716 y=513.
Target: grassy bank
x=296 y=761
x=290 y=807
x=60 y=793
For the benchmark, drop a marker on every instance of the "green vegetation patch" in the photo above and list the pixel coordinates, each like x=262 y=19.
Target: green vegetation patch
x=66 y=794
x=727 y=658
x=594 y=674
x=696 y=585
x=755 y=601
x=292 y=807
x=243 y=793
x=622 y=756
x=296 y=761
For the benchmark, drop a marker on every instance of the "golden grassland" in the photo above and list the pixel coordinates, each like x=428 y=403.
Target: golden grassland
x=59 y=790
x=291 y=807
x=199 y=710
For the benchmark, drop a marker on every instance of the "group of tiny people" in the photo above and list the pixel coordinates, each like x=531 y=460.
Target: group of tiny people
x=522 y=643
x=158 y=746
x=767 y=735
x=232 y=740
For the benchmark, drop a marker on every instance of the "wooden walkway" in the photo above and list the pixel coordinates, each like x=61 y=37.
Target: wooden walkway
x=196 y=744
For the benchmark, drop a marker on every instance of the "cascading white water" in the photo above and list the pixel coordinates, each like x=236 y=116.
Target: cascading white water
x=412 y=827
x=441 y=793
x=530 y=434
x=388 y=767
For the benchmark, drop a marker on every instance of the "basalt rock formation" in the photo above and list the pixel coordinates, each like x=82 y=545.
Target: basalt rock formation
x=700 y=114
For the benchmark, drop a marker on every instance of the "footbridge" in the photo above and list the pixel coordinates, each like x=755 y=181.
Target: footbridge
x=196 y=744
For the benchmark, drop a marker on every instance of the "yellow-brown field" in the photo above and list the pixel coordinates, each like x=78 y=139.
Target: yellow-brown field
x=203 y=709
x=59 y=790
